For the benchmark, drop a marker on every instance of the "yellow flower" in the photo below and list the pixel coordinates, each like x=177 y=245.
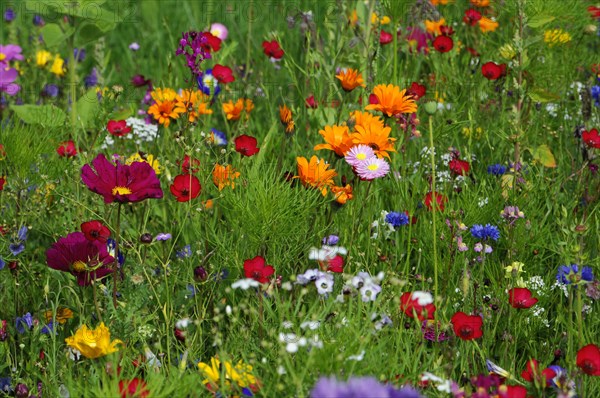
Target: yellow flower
x=514 y=269
x=487 y=25
x=337 y=139
x=314 y=174
x=392 y=101
x=224 y=176
x=239 y=374
x=139 y=157
x=212 y=372
x=507 y=51
x=93 y=343
x=58 y=66
x=556 y=36
x=42 y=57
x=468 y=132
x=62 y=314
x=434 y=26
x=350 y=79
x=383 y=21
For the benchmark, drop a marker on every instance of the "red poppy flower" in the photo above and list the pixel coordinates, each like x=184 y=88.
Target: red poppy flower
x=591 y=138
x=533 y=374
x=95 y=230
x=419 y=304
x=443 y=44
x=67 y=149
x=186 y=187
x=493 y=71
x=87 y=260
x=505 y=391
x=439 y=198
x=246 y=145
x=257 y=270
x=336 y=264
x=121 y=183
x=416 y=90
x=272 y=49
x=520 y=297
x=133 y=388
x=385 y=38
x=467 y=327
x=471 y=17
x=459 y=167
x=186 y=167
x=594 y=11
x=2 y=182
x=211 y=42
x=223 y=74
x=310 y=102
x=118 y=128
x=588 y=360
x=446 y=30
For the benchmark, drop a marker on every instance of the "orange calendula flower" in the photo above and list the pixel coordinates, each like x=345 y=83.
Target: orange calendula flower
x=342 y=194
x=337 y=139
x=234 y=111
x=434 y=27
x=350 y=79
x=365 y=119
x=194 y=103
x=224 y=176
x=392 y=101
x=480 y=3
x=93 y=343
x=314 y=174
x=62 y=314
x=487 y=25
x=163 y=110
x=438 y=2
x=376 y=136
x=285 y=115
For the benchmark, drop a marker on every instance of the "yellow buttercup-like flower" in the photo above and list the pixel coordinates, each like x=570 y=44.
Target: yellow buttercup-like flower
x=434 y=26
x=93 y=343
x=58 y=66
x=137 y=157
x=239 y=374
x=556 y=36
x=42 y=57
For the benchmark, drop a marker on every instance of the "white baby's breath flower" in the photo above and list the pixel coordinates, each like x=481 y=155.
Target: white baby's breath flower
x=245 y=284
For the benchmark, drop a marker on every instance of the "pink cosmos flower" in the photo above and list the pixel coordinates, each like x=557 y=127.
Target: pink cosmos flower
x=87 y=260
x=359 y=154
x=372 y=168
x=121 y=183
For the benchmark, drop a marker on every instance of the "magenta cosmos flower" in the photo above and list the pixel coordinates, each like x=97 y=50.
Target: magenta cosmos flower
x=121 y=183
x=372 y=168
x=87 y=260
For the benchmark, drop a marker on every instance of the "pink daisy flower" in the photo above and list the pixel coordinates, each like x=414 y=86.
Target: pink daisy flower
x=359 y=154
x=372 y=168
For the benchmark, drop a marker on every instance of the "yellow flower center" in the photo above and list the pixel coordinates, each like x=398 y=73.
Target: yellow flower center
x=2 y=56
x=361 y=156
x=79 y=266
x=121 y=191
x=373 y=167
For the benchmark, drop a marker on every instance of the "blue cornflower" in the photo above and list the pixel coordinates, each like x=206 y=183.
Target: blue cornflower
x=208 y=84
x=331 y=240
x=22 y=234
x=496 y=169
x=24 y=321
x=5 y=385
x=110 y=246
x=51 y=90
x=163 y=236
x=92 y=79
x=48 y=329
x=38 y=20
x=569 y=274
x=184 y=253
x=485 y=232
x=218 y=137
x=2 y=263
x=596 y=95
x=17 y=245
x=396 y=219
x=9 y=15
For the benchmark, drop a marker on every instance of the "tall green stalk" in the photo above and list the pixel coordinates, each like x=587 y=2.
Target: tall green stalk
x=433 y=207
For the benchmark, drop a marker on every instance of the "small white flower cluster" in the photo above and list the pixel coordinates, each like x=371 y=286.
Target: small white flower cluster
x=365 y=284
x=140 y=132
x=293 y=341
x=482 y=202
x=381 y=320
x=323 y=281
x=380 y=226
x=326 y=253
x=537 y=284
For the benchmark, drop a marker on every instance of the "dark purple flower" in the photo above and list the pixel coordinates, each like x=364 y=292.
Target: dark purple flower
x=38 y=20
x=139 y=81
x=9 y=15
x=26 y=321
x=197 y=46
x=49 y=328
x=51 y=90
x=3 y=331
x=87 y=260
x=331 y=240
x=92 y=79
x=79 y=54
x=121 y=183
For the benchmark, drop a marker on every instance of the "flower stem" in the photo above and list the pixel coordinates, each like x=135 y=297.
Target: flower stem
x=116 y=262
x=434 y=208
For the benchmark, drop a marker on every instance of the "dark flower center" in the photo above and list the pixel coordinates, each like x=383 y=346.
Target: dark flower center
x=256 y=275
x=588 y=367
x=465 y=331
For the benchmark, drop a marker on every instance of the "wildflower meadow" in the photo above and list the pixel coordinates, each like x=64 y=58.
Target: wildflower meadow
x=304 y=198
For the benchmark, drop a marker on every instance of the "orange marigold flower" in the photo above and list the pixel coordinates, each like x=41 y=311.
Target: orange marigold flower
x=285 y=115
x=195 y=103
x=392 y=101
x=480 y=3
x=337 y=139
x=314 y=174
x=163 y=110
x=350 y=79
x=376 y=136
x=342 y=194
x=234 y=111
x=62 y=314
x=487 y=25
x=224 y=176
x=365 y=119
x=434 y=27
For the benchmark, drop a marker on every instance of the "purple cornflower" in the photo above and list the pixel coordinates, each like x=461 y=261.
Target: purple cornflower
x=396 y=219
x=79 y=54
x=24 y=321
x=50 y=90
x=9 y=15
x=331 y=240
x=184 y=253
x=359 y=387
x=496 y=169
x=163 y=236
x=570 y=274
x=485 y=232
x=38 y=20
x=18 y=245
x=134 y=46
x=92 y=79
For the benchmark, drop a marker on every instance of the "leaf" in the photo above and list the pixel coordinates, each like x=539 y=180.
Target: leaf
x=46 y=115
x=53 y=34
x=541 y=95
x=88 y=33
x=120 y=114
x=87 y=106
x=544 y=155
x=540 y=20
